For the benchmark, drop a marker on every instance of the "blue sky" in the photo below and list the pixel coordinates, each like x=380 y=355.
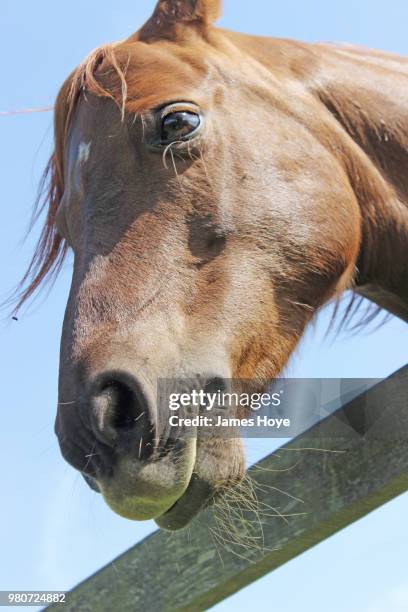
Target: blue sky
x=54 y=531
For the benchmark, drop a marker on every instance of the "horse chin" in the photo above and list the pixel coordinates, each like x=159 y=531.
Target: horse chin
x=149 y=492
x=197 y=496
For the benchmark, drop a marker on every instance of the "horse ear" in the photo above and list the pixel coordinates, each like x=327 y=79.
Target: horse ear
x=168 y=14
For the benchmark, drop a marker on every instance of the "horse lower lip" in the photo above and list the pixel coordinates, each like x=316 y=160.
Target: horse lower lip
x=198 y=494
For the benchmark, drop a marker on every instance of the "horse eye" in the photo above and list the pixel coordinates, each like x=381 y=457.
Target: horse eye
x=179 y=125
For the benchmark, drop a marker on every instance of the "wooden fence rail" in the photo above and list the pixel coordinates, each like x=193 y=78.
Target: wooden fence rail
x=335 y=473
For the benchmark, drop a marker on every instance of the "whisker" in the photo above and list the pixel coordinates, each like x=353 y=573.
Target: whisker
x=25 y=111
x=89 y=457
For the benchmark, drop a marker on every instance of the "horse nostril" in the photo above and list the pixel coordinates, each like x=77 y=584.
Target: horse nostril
x=215 y=385
x=122 y=405
x=120 y=414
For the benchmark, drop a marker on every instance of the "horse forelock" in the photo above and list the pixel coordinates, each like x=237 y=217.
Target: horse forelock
x=51 y=248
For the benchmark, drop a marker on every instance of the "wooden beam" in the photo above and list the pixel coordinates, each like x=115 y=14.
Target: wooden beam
x=339 y=470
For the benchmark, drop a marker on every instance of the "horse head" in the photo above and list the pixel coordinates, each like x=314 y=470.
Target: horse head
x=209 y=218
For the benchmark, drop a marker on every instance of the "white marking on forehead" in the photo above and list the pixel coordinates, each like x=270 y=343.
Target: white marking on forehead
x=84 y=150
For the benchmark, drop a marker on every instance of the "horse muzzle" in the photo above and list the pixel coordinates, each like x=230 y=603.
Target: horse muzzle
x=124 y=451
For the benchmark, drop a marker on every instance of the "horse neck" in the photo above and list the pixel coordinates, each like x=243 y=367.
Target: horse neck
x=359 y=103
x=367 y=93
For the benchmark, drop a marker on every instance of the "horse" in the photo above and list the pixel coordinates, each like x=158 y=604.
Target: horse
x=216 y=190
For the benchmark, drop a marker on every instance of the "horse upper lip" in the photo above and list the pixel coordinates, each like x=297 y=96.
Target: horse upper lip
x=197 y=495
